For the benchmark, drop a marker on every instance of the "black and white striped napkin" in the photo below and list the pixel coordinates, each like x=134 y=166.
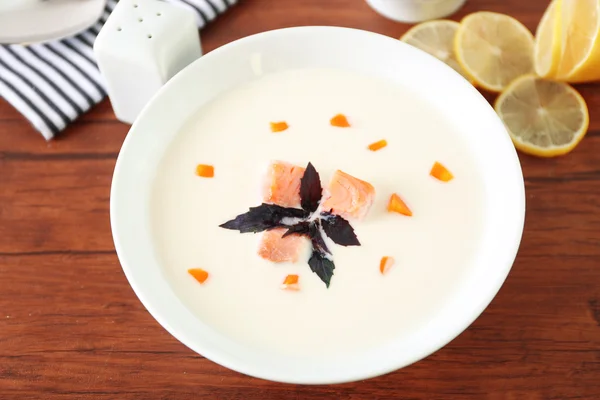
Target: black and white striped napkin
x=52 y=84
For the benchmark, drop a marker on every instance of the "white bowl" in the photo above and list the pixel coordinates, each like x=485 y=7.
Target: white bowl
x=412 y=11
x=308 y=47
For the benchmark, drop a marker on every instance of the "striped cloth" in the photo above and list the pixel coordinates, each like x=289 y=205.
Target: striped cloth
x=52 y=84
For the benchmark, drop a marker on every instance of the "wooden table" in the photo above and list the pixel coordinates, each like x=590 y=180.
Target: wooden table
x=71 y=327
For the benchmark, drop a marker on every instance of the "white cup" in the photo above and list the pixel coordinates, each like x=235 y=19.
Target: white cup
x=412 y=11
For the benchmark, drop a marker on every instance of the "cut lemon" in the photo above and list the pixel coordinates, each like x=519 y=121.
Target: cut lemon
x=548 y=41
x=437 y=39
x=544 y=118
x=580 y=33
x=494 y=49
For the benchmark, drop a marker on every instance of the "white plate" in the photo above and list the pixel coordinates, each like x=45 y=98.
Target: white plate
x=30 y=21
x=312 y=47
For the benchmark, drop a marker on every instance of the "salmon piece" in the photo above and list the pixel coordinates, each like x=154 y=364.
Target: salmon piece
x=348 y=196
x=277 y=249
x=282 y=186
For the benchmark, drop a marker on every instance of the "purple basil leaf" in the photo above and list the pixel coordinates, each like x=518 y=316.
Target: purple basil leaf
x=310 y=189
x=301 y=228
x=339 y=230
x=316 y=238
x=264 y=217
x=322 y=266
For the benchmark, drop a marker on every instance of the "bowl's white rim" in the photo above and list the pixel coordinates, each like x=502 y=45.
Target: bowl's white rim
x=374 y=371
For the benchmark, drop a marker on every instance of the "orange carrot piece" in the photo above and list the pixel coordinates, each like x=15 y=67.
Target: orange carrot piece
x=385 y=264
x=397 y=205
x=378 y=145
x=205 y=171
x=199 y=274
x=290 y=283
x=279 y=126
x=438 y=171
x=340 y=121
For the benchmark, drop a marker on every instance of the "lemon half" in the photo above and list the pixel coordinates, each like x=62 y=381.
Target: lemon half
x=580 y=41
x=548 y=41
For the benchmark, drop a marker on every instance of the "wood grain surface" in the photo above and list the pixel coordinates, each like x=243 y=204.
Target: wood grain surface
x=72 y=328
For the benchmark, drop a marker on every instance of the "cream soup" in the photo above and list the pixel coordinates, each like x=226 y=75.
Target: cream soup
x=362 y=308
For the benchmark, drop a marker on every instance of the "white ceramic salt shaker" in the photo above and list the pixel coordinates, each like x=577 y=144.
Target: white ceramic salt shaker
x=142 y=45
x=413 y=11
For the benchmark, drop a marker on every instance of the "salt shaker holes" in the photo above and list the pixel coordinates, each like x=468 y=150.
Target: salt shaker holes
x=135 y=49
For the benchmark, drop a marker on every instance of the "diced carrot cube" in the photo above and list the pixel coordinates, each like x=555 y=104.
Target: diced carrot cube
x=205 y=171
x=438 y=171
x=396 y=204
x=378 y=145
x=385 y=264
x=279 y=126
x=282 y=184
x=348 y=196
x=199 y=274
x=290 y=279
x=275 y=248
x=340 y=121
x=290 y=283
